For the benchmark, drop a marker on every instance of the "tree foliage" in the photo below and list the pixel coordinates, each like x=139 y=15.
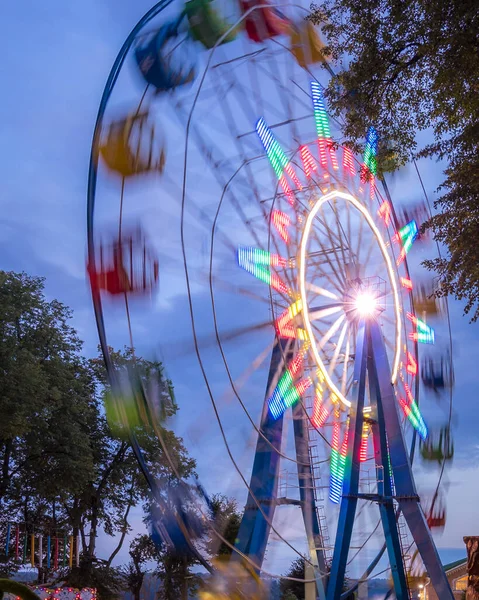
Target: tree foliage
x=294 y=589
x=62 y=470
x=406 y=67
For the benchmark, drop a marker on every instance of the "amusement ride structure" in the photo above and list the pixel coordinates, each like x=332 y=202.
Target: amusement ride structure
x=286 y=234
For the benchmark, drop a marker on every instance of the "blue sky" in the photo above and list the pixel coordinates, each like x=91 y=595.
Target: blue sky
x=57 y=56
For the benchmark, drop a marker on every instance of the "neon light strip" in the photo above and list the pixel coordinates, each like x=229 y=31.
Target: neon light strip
x=320 y=412
x=407 y=283
x=281 y=221
x=364 y=443
x=286 y=393
x=258 y=263
x=424 y=333
x=308 y=162
x=335 y=484
x=370 y=151
x=407 y=235
x=278 y=159
x=385 y=212
x=348 y=162
x=411 y=367
x=322 y=126
x=338 y=463
x=303 y=285
x=285 y=326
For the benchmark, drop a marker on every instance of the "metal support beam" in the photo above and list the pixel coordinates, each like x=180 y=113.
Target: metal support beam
x=384 y=485
x=308 y=503
x=351 y=475
x=401 y=466
x=255 y=528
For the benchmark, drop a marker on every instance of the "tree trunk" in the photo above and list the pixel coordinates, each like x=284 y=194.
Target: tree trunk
x=4 y=483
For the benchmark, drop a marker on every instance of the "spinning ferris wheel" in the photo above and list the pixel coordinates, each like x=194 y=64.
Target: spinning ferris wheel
x=254 y=208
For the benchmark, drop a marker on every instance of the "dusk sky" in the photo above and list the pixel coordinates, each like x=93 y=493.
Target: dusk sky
x=56 y=58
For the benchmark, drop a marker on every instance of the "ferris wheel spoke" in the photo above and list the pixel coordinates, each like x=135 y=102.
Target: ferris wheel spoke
x=339 y=276
x=331 y=331
x=321 y=291
x=339 y=345
x=345 y=366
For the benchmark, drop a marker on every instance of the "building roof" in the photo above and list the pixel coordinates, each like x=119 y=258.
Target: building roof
x=455 y=564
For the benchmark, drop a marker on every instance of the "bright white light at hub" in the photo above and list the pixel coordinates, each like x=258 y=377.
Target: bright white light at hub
x=365 y=304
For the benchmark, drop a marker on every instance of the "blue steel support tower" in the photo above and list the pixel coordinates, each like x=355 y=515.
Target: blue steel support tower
x=256 y=523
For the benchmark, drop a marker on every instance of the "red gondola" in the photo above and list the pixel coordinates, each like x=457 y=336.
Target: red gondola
x=125 y=266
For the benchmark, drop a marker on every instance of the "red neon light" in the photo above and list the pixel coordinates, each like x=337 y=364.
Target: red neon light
x=332 y=154
x=363 y=450
x=281 y=221
x=372 y=187
x=284 y=325
x=344 y=446
x=348 y=161
x=335 y=440
x=320 y=412
x=412 y=318
x=385 y=212
x=303 y=385
x=287 y=190
x=408 y=393
x=401 y=256
x=290 y=171
x=278 y=284
x=411 y=364
x=407 y=283
x=308 y=161
x=296 y=364
x=322 y=152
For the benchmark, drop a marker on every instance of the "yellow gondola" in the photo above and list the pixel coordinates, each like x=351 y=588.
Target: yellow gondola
x=306 y=45
x=129 y=148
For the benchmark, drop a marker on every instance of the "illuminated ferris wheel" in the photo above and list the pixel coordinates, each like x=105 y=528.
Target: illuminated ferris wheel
x=283 y=245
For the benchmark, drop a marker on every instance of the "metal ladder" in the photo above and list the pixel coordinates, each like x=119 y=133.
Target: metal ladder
x=317 y=484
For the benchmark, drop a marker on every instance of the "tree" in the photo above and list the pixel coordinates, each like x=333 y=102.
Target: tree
x=142 y=550
x=227 y=521
x=47 y=406
x=294 y=589
x=413 y=66
x=119 y=483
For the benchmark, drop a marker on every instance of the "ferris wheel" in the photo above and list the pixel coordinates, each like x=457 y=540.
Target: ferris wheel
x=283 y=245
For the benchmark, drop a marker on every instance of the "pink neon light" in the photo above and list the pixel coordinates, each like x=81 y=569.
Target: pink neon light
x=303 y=385
x=344 y=446
x=284 y=325
x=322 y=152
x=348 y=161
x=308 y=161
x=287 y=190
x=372 y=187
x=320 y=412
x=407 y=283
x=363 y=450
x=278 y=261
x=278 y=284
x=411 y=364
x=385 y=212
x=332 y=154
x=408 y=393
x=401 y=256
x=404 y=406
x=281 y=221
x=296 y=364
x=335 y=440
x=290 y=171
x=412 y=318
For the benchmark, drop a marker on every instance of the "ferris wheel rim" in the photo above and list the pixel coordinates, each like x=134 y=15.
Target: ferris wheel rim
x=302 y=283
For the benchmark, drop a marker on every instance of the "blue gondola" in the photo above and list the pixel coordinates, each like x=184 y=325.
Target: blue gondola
x=163 y=69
